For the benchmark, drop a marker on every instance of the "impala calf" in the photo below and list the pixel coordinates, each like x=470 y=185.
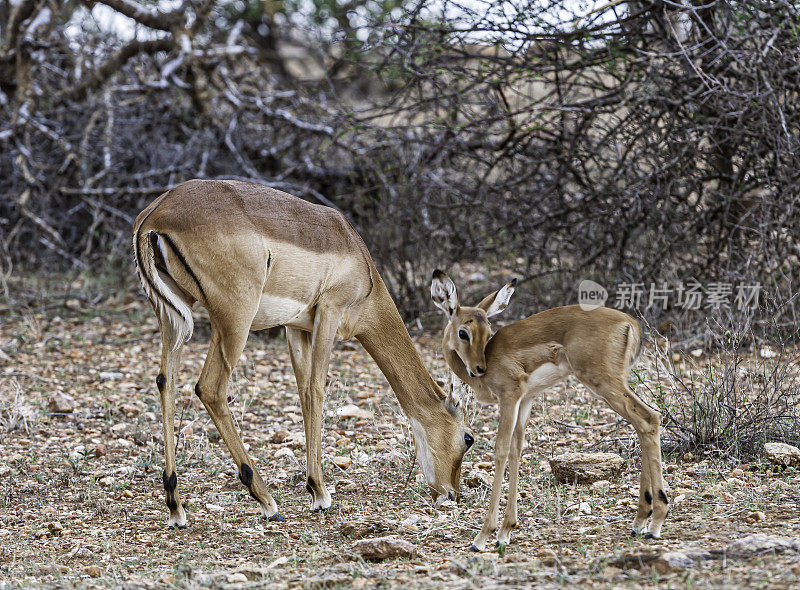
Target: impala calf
x=530 y=355
x=256 y=257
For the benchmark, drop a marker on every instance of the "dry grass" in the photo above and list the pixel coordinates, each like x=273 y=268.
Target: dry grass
x=81 y=501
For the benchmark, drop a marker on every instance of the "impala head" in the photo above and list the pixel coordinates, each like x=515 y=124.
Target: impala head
x=468 y=329
x=441 y=446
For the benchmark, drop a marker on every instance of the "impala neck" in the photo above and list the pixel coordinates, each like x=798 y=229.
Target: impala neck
x=384 y=336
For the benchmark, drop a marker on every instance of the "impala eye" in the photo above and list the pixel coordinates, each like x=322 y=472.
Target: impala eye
x=463 y=334
x=468 y=440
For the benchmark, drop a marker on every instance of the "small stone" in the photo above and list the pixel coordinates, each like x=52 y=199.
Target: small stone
x=236 y=578
x=485 y=465
x=353 y=411
x=384 y=548
x=110 y=376
x=346 y=485
x=107 y=481
x=477 y=479
x=581 y=508
x=586 y=467
x=119 y=428
x=413 y=523
x=782 y=454
x=100 y=450
x=278 y=562
x=285 y=452
x=280 y=436
x=55 y=527
x=342 y=461
x=94 y=571
x=360 y=528
x=61 y=403
x=767 y=353
x=662 y=563
x=757 y=516
x=673 y=561
x=758 y=544
x=214 y=508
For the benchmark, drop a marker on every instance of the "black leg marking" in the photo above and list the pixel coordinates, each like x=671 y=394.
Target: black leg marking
x=170 y=483
x=648 y=496
x=649 y=514
x=188 y=268
x=649 y=536
x=246 y=475
x=311 y=486
x=161 y=381
x=663 y=496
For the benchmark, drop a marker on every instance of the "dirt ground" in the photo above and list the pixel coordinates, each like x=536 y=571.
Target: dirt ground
x=82 y=504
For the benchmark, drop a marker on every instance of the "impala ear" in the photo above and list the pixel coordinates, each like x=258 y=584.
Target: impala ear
x=452 y=405
x=498 y=301
x=443 y=293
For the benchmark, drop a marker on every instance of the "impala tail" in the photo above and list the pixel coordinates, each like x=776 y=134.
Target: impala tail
x=161 y=289
x=633 y=344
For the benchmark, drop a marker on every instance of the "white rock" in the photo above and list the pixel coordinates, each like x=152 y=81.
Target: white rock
x=758 y=544
x=285 y=452
x=110 y=376
x=782 y=454
x=767 y=353
x=353 y=411
x=236 y=578
x=61 y=403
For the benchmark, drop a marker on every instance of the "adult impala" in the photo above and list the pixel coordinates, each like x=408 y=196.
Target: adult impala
x=255 y=257
x=530 y=355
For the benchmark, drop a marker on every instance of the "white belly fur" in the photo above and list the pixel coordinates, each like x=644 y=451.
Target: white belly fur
x=281 y=311
x=546 y=375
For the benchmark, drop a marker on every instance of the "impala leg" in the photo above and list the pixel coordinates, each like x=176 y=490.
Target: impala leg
x=311 y=398
x=166 y=389
x=212 y=388
x=505 y=431
x=514 y=458
x=301 y=350
x=646 y=421
x=645 y=507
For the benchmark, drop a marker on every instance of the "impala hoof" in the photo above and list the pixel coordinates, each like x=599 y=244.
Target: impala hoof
x=276 y=518
x=474 y=548
x=649 y=536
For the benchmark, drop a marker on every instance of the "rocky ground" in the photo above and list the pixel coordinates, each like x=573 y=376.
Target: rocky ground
x=81 y=502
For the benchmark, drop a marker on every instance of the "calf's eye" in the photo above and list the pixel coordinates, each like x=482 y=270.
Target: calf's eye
x=468 y=440
x=463 y=334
